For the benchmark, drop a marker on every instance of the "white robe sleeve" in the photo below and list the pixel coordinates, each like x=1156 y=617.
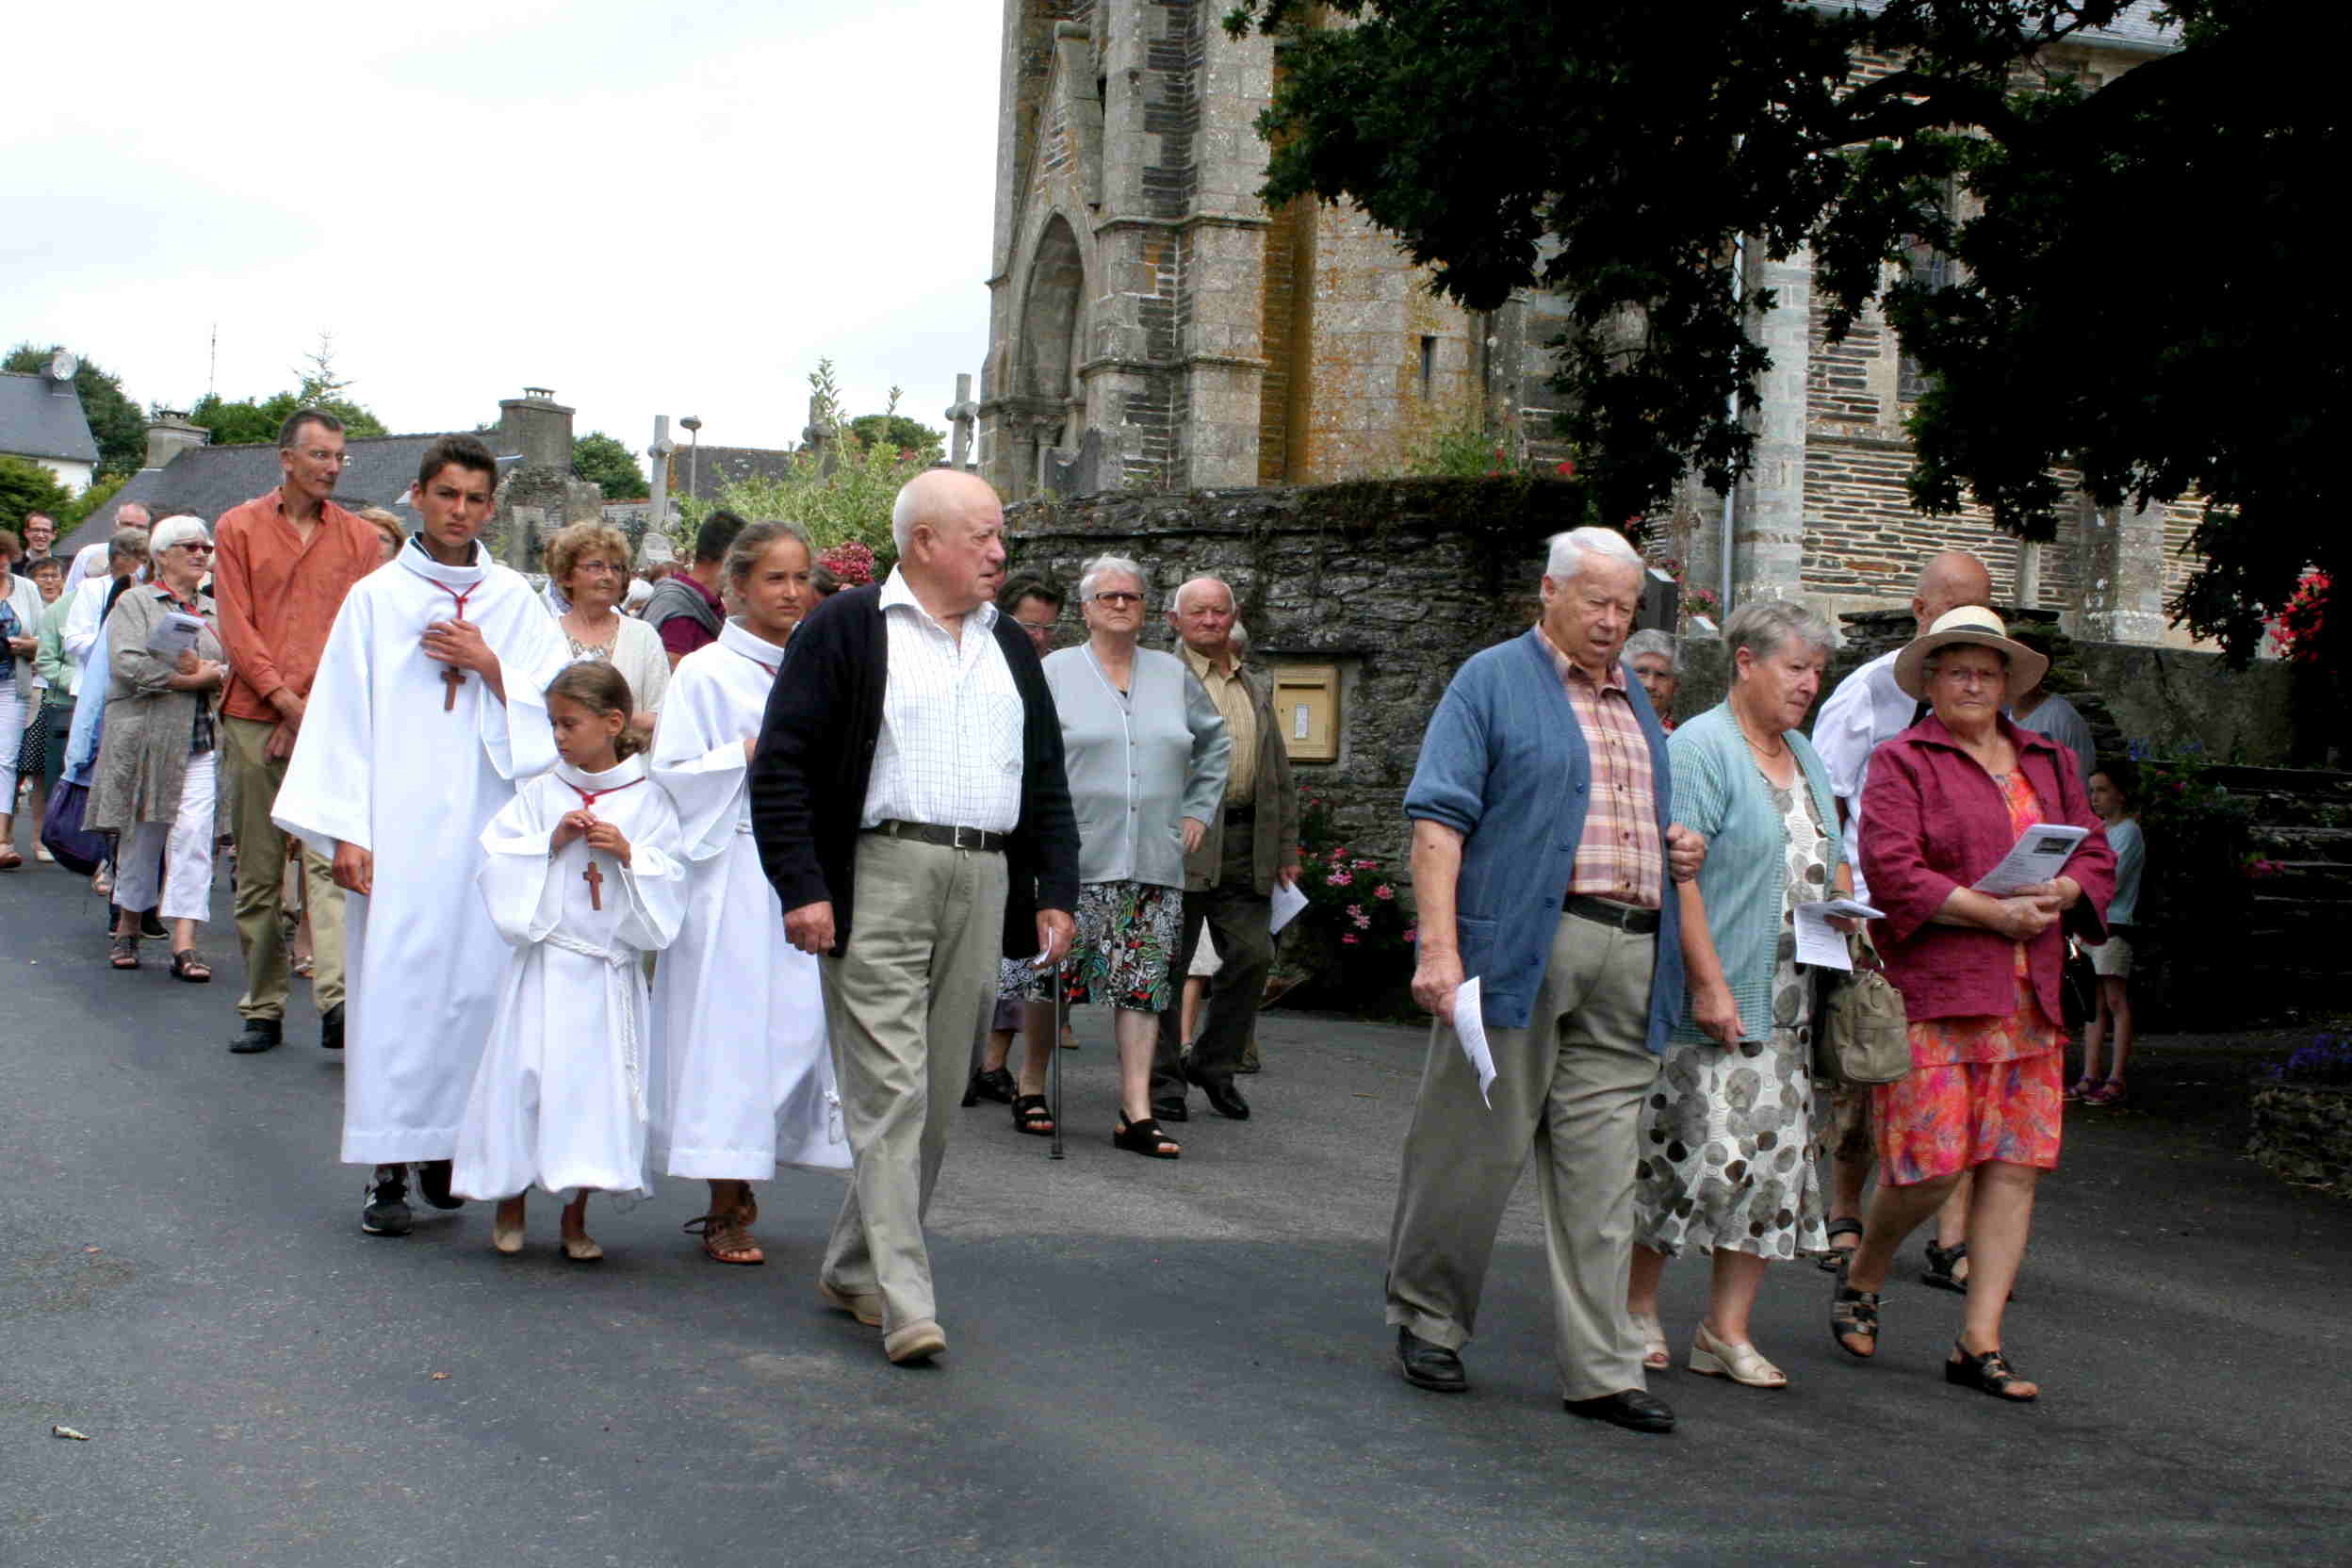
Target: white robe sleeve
x=516 y=734
x=653 y=884
x=701 y=765
x=80 y=633
x=327 y=796
x=526 y=902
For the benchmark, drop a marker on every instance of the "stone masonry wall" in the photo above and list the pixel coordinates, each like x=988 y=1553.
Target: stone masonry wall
x=1394 y=582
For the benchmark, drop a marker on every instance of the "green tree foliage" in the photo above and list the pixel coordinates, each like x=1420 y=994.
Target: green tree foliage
x=601 y=458
x=916 y=440
x=250 y=420
x=1614 y=150
x=842 y=493
x=116 y=423
x=27 y=487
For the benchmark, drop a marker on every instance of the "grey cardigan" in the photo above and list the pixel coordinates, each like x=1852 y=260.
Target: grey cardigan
x=1137 y=765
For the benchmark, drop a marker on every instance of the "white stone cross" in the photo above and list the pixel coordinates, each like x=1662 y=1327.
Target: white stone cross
x=961 y=417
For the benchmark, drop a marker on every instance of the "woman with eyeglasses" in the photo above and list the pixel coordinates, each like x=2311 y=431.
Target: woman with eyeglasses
x=1146 y=752
x=155 y=777
x=588 y=563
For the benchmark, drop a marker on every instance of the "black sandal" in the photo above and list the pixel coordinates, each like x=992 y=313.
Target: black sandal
x=1855 y=1312
x=1837 y=1257
x=1989 y=1373
x=995 y=1083
x=1940 y=1263
x=1144 y=1137
x=189 y=965
x=1032 y=1115
x=124 y=953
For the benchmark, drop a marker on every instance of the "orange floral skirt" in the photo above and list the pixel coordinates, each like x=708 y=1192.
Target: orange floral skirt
x=1939 y=1121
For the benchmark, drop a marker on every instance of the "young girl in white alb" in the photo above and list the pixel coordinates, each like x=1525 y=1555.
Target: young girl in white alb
x=583 y=877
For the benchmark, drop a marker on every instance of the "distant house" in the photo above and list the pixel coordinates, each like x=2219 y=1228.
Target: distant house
x=41 y=420
x=702 y=472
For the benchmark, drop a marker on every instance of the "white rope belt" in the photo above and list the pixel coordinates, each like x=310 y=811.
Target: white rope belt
x=620 y=1000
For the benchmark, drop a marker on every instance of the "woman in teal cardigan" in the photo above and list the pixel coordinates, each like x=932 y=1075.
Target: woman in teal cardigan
x=1726 y=1163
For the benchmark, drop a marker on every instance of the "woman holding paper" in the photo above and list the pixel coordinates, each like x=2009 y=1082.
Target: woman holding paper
x=1726 y=1163
x=1946 y=800
x=154 y=778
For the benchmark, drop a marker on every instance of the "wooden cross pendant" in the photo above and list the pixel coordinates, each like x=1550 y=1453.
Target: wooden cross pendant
x=594 y=879
x=452 y=677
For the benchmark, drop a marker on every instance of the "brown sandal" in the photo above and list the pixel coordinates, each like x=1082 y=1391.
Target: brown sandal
x=725 y=1238
x=124 y=953
x=189 y=965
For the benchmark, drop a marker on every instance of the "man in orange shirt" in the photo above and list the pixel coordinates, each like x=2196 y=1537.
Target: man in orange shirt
x=284 y=563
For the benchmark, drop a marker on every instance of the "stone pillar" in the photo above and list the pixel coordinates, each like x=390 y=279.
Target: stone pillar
x=1767 y=518
x=537 y=428
x=2123 y=574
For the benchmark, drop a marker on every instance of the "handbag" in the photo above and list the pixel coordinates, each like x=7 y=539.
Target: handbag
x=1863 y=1034
x=77 y=849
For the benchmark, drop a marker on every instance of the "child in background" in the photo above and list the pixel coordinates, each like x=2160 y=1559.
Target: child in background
x=583 y=877
x=2114 y=795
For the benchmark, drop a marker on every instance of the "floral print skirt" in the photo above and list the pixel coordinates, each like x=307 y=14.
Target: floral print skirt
x=1938 y=1121
x=1126 y=942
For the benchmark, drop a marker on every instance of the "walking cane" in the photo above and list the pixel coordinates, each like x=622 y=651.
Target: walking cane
x=1054 y=1048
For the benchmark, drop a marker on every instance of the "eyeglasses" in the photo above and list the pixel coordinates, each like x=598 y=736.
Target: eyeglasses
x=192 y=547
x=1032 y=626
x=1119 y=596
x=1975 y=678
x=341 y=460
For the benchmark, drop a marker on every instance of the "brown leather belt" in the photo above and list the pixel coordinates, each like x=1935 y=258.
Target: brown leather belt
x=1642 y=922
x=947 y=838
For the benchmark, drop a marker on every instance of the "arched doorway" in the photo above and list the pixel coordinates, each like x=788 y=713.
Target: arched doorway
x=1052 y=339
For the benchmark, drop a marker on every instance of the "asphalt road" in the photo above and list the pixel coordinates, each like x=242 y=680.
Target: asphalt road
x=1150 y=1364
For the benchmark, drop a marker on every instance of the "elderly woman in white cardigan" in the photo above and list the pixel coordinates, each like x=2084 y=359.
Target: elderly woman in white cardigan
x=1146 y=752
x=1727 y=1158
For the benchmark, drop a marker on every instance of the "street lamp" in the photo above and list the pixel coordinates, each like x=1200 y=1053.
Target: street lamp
x=693 y=445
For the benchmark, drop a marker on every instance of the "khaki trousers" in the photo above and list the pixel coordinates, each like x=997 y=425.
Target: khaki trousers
x=253 y=780
x=902 y=1005
x=1570 y=1087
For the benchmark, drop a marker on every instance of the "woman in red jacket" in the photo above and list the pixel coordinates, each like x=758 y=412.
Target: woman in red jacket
x=1979 y=975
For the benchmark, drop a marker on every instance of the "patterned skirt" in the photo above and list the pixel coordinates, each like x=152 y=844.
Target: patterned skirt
x=1940 y=1120
x=1127 y=934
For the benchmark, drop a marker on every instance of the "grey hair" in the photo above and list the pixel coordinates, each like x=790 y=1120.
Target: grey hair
x=1238 y=639
x=175 y=530
x=1109 y=566
x=1566 y=553
x=1177 y=604
x=128 y=544
x=1764 y=627
x=1642 y=644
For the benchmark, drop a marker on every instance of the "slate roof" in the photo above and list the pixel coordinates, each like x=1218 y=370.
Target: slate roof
x=714 y=466
x=38 y=418
x=208 y=480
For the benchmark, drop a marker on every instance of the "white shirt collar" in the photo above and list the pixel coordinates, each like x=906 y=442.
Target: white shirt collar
x=734 y=635
x=414 y=557
x=896 y=593
x=626 y=770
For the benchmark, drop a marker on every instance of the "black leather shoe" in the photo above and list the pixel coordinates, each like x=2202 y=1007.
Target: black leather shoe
x=331 y=1028
x=1223 y=1097
x=996 y=1084
x=1430 y=1366
x=432 y=1185
x=1629 y=1408
x=151 y=927
x=1169 y=1110
x=261 y=1034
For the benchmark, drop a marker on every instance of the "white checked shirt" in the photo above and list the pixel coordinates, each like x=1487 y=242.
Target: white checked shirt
x=950 y=752
x=1866 y=710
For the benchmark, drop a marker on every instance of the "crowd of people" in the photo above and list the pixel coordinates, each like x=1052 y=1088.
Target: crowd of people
x=739 y=869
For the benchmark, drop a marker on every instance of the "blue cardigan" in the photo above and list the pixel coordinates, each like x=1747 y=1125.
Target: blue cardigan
x=1504 y=764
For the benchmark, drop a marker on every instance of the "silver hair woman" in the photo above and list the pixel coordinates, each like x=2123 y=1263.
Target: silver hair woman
x=1726 y=1163
x=1657 y=664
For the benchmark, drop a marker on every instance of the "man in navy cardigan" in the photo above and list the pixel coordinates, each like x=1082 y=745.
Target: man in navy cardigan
x=1541 y=854
x=909 y=804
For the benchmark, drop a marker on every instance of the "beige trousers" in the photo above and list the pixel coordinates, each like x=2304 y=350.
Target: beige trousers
x=1570 y=1087
x=902 y=1006
x=254 y=779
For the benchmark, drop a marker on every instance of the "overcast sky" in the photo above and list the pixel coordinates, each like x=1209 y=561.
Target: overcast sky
x=650 y=209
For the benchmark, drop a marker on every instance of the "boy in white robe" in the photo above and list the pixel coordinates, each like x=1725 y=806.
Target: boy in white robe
x=582 y=875
x=426 y=711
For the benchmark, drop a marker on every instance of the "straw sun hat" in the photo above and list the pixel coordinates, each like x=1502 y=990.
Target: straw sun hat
x=1977 y=626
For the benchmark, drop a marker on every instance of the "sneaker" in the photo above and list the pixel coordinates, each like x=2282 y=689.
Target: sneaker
x=386 y=1213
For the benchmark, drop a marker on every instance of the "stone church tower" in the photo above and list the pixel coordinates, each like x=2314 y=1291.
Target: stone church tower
x=1154 y=325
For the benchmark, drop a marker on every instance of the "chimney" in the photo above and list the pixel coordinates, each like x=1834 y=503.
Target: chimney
x=171 y=434
x=537 y=428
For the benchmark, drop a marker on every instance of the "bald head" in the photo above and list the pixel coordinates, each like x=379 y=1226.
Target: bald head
x=1947 y=581
x=1202 y=614
x=949 y=528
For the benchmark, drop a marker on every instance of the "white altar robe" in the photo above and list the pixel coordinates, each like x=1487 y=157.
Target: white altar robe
x=559 y=1100
x=383 y=764
x=736 y=1007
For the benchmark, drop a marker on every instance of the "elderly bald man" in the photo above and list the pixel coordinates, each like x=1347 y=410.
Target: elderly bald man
x=908 y=803
x=1866 y=709
x=1229 y=878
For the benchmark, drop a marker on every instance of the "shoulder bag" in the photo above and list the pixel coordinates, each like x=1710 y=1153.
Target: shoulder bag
x=1862 y=1036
